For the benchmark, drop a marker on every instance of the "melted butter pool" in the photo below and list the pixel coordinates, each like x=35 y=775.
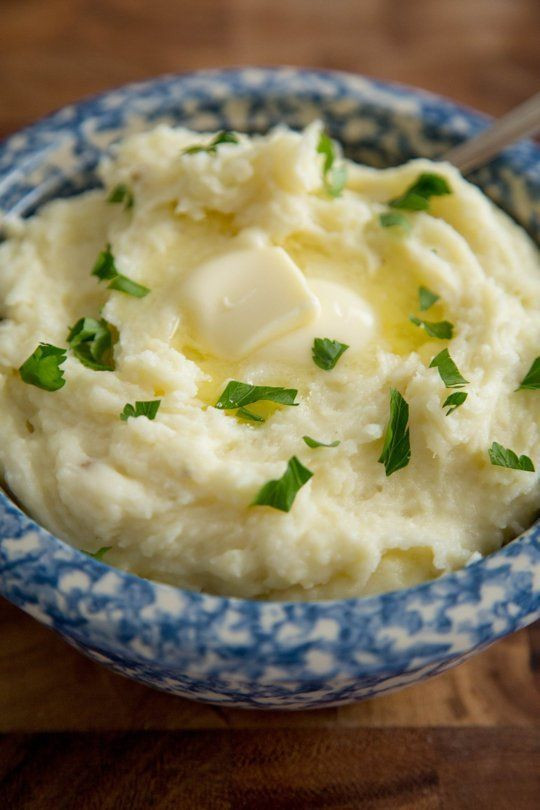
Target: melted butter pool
x=366 y=308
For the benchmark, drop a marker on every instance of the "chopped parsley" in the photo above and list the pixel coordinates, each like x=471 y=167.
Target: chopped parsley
x=504 y=457
x=531 y=380
x=91 y=342
x=99 y=554
x=334 y=177
x=280 y=494
x=426 y=298
x=121 y=194
x=239 y=394
x=391 y=218
x=211 y=148
x=148 y=409
x=326 y=352
x=42 y=368
x=440 y=329
x=449 y=372
x=454 y=401
x=416 y=196
x=105 y=269
x=396 y=452
x=313 y=443
x=249 y=416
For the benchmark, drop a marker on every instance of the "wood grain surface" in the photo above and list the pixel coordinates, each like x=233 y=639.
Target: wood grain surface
x=73 y=735
x=295 y=769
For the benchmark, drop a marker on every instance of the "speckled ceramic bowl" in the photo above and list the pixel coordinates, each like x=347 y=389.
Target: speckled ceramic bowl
x=240 y=652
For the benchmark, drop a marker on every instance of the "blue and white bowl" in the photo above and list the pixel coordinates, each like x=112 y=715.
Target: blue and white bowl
x=234 y=651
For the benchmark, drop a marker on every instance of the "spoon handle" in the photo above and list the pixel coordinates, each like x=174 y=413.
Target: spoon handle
x=520 y=122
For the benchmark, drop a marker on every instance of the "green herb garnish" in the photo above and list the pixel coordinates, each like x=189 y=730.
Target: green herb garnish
x=334 y=177
x=126 y=285
x=326 y=352
x=391 y=218
x=416 y=196
x=280 y=494
x=249 y=416
x=504 y=457
x=454 y=401
x=99 y=554
x=441 y=329
x=426 y=298
x=105 y=269
x=211 y=148
x=42 y=368
x=121 y=194
x=396 y=452
x=238 y=394
x=449 y=372
x=91 y=342
x=531 y=380
x=313 y=443
x=148 y=409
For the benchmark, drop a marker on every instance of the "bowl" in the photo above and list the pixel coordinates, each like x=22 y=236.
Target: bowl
x=234 y=651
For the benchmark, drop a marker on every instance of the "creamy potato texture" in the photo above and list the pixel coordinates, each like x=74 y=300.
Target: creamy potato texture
x=248 y=259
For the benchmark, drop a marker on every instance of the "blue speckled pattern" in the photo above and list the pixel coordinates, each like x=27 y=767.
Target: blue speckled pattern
x=240 y=652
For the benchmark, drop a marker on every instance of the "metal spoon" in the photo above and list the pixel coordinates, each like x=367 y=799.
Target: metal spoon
x=521 y=122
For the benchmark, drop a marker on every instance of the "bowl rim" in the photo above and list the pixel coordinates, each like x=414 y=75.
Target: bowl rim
x=525 y=155
x=234 y=71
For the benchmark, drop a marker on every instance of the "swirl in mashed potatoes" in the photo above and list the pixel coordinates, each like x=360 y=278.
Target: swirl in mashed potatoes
x=249 y=255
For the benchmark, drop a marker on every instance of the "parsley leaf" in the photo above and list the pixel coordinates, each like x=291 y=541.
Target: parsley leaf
x=314 y=443
x=396 y=452
x=426 y=298
x=448 y=370
x=121 y=194
x=531 y=380
x=334 y=177
x=148 y=409
x=99 y=554
x=126 y=285
x=211 y=148
x=326 y=352
x=391 y=218
x=91 y=342
x=454 y=401
x=441 y=329
x=243 y=413
x=105 y=270
x=42 y=368
x=104 y=267
x=504 y=457
x=280 y=494
x=416 y=196
x=237 y=394
x=452 y=378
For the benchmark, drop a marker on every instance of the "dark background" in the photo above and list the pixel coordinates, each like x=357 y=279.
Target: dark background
x=72 y=735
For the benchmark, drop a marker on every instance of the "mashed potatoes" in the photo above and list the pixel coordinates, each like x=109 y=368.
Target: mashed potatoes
x=249 y=254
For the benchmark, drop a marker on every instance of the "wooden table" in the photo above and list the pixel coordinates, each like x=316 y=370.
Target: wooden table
x=76 y=736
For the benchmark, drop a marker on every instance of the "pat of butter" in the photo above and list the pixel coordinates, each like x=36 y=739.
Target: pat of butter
x=344 y=316
x=242 y=300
